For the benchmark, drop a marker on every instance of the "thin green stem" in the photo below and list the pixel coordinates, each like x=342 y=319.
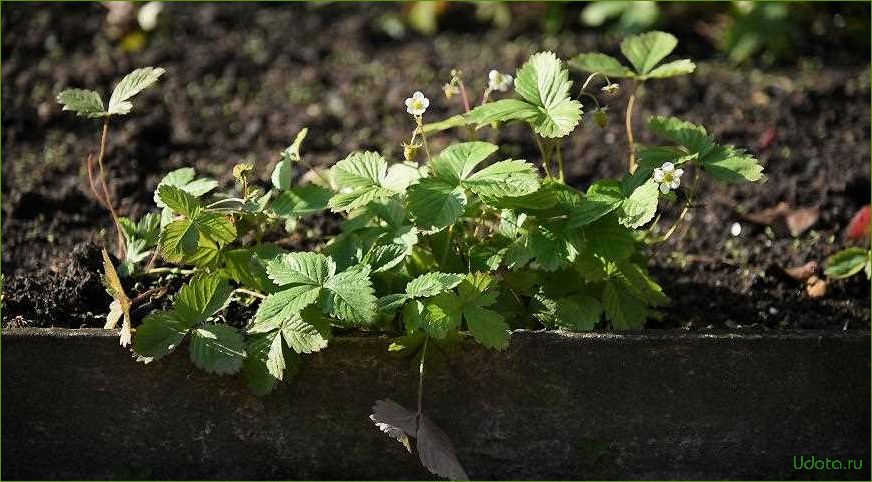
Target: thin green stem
x=421 y=379
x=249 y=292
x=628 y=123
x=447 y=245
x=544 y=154
x=420 y=120
x=168 y=270
x=119 y=233
x=559 y=162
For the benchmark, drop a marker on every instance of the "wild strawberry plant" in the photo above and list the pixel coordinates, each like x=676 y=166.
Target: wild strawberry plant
x=434 y=249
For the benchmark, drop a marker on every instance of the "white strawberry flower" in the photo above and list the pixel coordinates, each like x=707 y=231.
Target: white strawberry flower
x=417 y=104
x=498 y=81
x=668 y=177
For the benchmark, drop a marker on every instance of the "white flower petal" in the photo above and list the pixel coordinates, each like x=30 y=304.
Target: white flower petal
x=668 y=166
x=658 y=174
x=417 y=95
x=675 y=183
x=664 y=188
x=678 y=173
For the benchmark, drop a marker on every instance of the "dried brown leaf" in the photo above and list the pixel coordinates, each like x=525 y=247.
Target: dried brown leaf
x=437 y=453
x=804 y=272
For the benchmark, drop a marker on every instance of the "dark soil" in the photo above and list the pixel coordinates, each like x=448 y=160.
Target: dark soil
x=243 y=79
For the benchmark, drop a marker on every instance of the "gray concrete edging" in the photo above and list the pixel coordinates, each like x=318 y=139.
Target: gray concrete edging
x=653 y=404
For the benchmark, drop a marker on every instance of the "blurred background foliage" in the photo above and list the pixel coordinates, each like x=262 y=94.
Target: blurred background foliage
x=741 y=31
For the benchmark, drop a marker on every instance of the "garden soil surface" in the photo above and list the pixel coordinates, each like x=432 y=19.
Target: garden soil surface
x=242 y=79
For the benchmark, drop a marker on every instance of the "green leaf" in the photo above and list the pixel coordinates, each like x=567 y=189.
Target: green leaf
x=206 y=253
x=641 y=206
x=301 y=268
x=476 y=289
x=432 y=284
x=846 y=263
x=179 y=200
x=349 y=201
x=244 y=266
x=282 y=306
x=578 y=312
x=301 y=201
x=441 y=314
x=487 y=327
x=543 y=82
x=646 y=50
x=549 y=247
x=640 y=283
x=217 y=349
x=692 y=137
x=624 y=310
x=160 y=334
x=360 y=170
x=453 y=121
x=201 y=298
x=457 y=161
x=400 y=176
x=184 y=179
x=132 y=84
x=671 y=69
x=609 y=239
x=179 y=239
x=435 y=203
x=501 y=111
x=730 y=165
x=83 y=102
x=597 y=62
x=306 y=332
x=385 y=257
x=602 y=198
x=264 y=364
x=216 y=226
x=351 y=297
x=292 y=152
x=283 y=175
x=508 y=178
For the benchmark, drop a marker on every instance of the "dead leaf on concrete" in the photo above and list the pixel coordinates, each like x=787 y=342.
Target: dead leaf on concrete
x=395 y=420
x=437 y=453
x=434 y=447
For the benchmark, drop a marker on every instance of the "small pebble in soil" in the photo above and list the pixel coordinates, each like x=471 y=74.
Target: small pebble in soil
x=736 y=229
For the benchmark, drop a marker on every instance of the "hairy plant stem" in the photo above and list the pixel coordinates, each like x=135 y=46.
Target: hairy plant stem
x=559 y=162
x=688 y=203
x=420 y=129
x=463 y=95
x=545 y=158
x=628 y=123
x=168 y=270
x=421 y=380
x=447 y=245
x=249 y=293
x=119 y=234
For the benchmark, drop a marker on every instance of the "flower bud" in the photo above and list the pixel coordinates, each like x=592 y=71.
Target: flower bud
x=611 y=89
x=410 y=151
x=600 y=116
x=242 y=170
